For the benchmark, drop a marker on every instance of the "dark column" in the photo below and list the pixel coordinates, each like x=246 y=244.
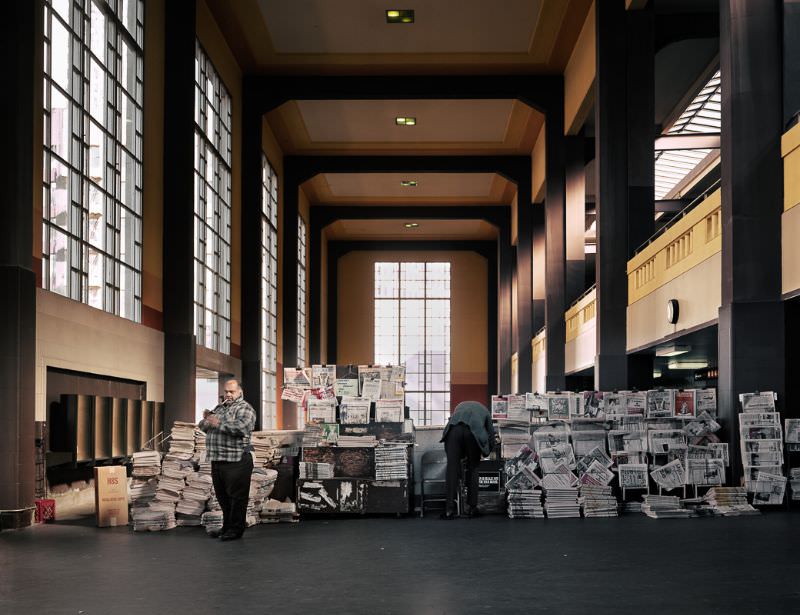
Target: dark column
x=492 y=321
x=20 y=113
x=791 y=59
x=504 y=267
x=252 y=204
x=524 y=331
x=751 y=315
x=315 y=289
x=555 y=251
x=179 y=338
x=640 y=114
x=611 y=152
x=333 y=300
x=575 y=218
x=538 y=290
x=291 y=183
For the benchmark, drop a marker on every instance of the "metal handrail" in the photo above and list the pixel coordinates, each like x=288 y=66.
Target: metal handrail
x=582 y=295
x=681 y=214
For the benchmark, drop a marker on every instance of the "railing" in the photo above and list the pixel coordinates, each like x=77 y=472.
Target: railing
x=581 y=312
x=694 y=236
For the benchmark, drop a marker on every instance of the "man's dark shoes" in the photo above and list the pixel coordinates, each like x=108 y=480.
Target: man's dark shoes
x=230 y=536
x=447 y=516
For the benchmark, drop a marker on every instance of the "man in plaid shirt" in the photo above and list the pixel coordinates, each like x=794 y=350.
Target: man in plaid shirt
x=228 y=428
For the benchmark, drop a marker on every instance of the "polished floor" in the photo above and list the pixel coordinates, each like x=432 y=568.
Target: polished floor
x=631 y=564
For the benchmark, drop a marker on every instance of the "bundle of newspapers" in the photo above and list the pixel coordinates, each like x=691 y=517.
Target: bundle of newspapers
x=391 y=461
x=561 y=502
x=274 y=511
x=193 y=499
x=729 y=501
x=355 y=441
x=597 y=501
x=212 y=520
x=664 y=507
x=265 y=453
x=181 y=438
x=146 y=464
x=525 y=504
x=262 y=481
x=153 y=518
x=310 y=469
x=199 y=446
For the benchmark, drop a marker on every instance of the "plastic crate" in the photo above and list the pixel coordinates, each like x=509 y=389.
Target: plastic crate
x=45 y=511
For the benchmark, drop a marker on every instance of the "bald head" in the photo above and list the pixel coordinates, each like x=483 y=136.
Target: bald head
x=233 y=389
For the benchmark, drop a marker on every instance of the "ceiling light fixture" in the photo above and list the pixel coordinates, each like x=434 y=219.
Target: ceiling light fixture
x=411 y=224
x=400 y=16
x=408 y=183
x=405 y=121
x=687 y=364
x=672 y=350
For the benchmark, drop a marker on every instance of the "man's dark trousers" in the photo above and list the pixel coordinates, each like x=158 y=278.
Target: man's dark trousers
x=461 y=444
x=232 y=487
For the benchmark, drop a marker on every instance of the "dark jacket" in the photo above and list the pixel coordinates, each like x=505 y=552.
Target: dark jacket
x=475 y=416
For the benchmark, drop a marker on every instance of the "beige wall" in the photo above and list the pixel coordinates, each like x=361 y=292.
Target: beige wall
x=468 y=309
x=71 y=335
x=304 y=209
x=538 y=168
x=791 y=250
x=538 y=372
x=579 y=77
x=579 y=353
x=222 y=57
x=698 y=292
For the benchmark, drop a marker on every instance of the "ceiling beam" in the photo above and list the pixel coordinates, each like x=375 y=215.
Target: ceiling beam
x=323 y=215
x=271 y=91
x=709 y=140
x=671 y=206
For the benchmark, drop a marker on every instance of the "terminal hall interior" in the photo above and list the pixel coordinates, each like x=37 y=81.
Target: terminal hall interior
x=582 y=214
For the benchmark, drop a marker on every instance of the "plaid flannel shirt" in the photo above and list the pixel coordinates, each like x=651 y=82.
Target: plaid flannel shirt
x=231 y=439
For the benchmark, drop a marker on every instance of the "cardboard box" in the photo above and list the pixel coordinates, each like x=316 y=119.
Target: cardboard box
x=111 y=496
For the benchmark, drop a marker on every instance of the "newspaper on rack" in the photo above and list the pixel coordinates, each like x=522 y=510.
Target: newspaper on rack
x=587 y=434
x=792 y=431
x=596 y=454
x=354 y=411
x=296 y=377
x=553 y=457
x=323 y=375
x=660 y=403
x=346 y=387
x=702 y=425
x=524 y=458
x=558 y=407
x=669 y=476
x=758 y=401
x=706 y=401
x=614 y=404
x=625 y=440
x=794 y=482
x=635 y=403
x=516 y=409
x=550 y=434
x=662 y=441
x=537 y=405
x=294 y=394
x=389 y=411
x=321 y=410
x=562 y=477
x=592 y=405
x=720 y=450
x=633 y=476
x=371 y=389
x=499 y=407
x=706 y=472
x=768 y=489
x=685 y=403
x=596 y=474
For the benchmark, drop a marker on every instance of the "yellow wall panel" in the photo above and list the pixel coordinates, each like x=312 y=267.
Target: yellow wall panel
x=791 y=250
x=790 y=150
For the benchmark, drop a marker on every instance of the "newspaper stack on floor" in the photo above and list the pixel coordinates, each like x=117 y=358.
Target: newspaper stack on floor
x=274 y=511
x=266 y=454
x=193 y=499
x=354 y=441
x=561 y=502
x=664 y=507
x=153 y=519
x=309 y=469
x=598 y=501
x=794 y=482
x=146 y=464
x=525 y=503
x=199 y=446
x=262 y=482
x=631 y=507
x=212 y=521
x=391 y=461
x=729 y=501
x=142 y=491
x=181 y=438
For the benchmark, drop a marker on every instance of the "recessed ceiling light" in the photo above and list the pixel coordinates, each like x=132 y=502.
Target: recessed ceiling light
x=400 y=16
x=687 y=364
x=405 y=121
x=672 y=350
x=411 y=225
x=408 y=183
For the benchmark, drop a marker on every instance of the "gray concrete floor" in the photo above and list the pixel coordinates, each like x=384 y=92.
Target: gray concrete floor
x=630 y=564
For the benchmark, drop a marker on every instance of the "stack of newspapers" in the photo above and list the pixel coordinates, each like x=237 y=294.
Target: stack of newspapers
x=193 y=499
x=598 y=501
x=309 y=469
x=391 y=461
x=181 y=438
x=729 y=501
x=561 y=502
x=525 y=504
x=153 y=519
x=664 y=507
x=274 y=511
